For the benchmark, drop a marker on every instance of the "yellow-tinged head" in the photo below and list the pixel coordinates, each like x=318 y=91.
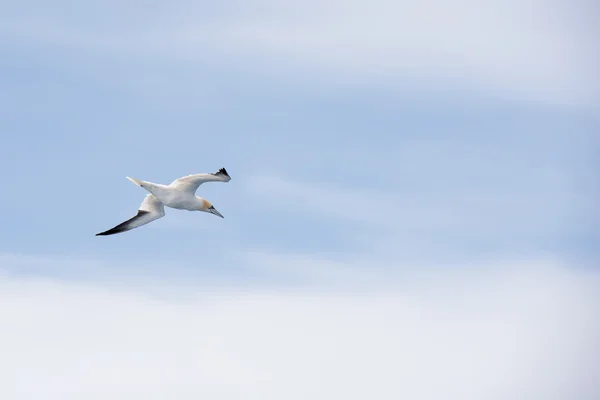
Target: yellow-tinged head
x=209 y=208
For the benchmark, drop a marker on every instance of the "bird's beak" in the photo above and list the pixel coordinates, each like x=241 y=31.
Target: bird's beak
x=213 y=210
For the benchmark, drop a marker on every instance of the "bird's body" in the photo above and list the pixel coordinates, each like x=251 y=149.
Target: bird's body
x=171 y=197
x=180 y=194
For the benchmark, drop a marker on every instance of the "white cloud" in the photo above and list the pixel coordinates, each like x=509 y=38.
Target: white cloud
x=530 y=49
x=522 y=331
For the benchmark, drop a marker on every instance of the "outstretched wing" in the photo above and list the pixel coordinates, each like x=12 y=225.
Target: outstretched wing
x=191 y=183
x=150 y=210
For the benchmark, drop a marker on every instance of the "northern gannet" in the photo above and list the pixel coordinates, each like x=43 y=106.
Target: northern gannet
x=180 y=194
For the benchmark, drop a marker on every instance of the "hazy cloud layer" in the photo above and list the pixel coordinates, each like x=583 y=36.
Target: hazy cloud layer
x=526 y=331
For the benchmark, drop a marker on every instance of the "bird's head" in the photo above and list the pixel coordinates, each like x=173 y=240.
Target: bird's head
x=209 y=208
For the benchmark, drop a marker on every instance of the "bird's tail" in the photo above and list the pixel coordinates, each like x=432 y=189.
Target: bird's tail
x=135 y=181
x=153 y=188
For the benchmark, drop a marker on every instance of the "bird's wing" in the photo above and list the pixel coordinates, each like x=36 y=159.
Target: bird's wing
x=150 y=210
x=191 y=183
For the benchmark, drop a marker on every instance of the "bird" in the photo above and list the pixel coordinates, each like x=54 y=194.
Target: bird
x=179 y=194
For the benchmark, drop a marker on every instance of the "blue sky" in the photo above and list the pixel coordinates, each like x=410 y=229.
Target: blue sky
x=433 y=153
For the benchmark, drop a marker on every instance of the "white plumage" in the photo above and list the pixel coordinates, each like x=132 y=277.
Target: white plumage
x=180 y=194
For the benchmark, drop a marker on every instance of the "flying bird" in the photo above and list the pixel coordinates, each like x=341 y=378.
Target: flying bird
x=180 y=194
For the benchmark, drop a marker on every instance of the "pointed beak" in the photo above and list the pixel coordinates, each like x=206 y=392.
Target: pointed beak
x=213 y=210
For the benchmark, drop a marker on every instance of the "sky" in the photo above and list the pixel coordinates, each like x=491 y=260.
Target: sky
x=412 y=211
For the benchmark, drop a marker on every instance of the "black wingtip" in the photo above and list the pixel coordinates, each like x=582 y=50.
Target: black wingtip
x=122 y=227
x=110 y=232
x=222 y=171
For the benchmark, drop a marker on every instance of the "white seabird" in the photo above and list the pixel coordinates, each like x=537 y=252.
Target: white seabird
x=180 y=194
